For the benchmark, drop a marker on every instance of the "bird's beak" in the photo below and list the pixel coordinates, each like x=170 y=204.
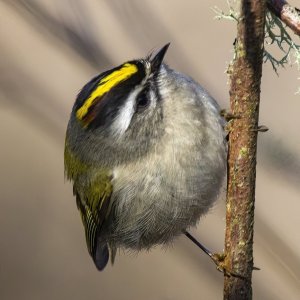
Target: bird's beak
x=157 y=56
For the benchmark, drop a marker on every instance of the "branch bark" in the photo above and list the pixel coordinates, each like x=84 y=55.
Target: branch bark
x=245 y=76
x=286 y=13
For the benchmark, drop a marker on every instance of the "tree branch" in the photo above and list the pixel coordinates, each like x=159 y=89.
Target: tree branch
x=286 y=13
x=245 y=76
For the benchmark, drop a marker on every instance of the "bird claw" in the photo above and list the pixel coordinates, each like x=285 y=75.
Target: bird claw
x=219 y=260
x=228 y=116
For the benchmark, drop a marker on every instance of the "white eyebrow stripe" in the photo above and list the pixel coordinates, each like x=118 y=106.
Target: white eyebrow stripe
x=123 y=119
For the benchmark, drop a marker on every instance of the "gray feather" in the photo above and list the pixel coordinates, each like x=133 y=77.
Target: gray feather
x=167 y=167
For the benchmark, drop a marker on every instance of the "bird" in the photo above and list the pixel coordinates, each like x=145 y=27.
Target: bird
x=145 y=150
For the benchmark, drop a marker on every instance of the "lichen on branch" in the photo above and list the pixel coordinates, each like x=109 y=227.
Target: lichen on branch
x=276 y=33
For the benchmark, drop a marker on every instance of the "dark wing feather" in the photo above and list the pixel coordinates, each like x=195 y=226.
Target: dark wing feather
x=94 y=210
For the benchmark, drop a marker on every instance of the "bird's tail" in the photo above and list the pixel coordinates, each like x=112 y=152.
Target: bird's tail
x=101 y=256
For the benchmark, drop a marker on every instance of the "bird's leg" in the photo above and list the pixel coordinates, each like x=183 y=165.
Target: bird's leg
x=217 y=258
x=203 y=248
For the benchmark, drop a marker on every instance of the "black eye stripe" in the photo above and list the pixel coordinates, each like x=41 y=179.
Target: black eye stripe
x=143 y=99
x=114 y=100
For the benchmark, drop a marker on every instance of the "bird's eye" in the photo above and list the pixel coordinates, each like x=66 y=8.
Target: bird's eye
x=143 y=100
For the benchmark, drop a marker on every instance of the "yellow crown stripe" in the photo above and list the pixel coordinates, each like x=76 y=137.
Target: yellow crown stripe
x=105 y=85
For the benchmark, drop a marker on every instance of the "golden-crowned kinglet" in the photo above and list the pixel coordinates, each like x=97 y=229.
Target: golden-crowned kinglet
x=145 y=149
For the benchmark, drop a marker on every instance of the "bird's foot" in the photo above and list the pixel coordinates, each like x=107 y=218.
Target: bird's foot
x=219 y=260
x=228 y=116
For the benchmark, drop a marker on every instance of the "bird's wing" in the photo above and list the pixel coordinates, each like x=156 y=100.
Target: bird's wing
x=94 y=206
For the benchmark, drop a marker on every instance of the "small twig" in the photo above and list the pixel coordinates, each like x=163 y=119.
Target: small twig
x=286 y=13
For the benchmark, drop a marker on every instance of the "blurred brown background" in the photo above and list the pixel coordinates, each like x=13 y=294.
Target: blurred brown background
x=49 y=50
